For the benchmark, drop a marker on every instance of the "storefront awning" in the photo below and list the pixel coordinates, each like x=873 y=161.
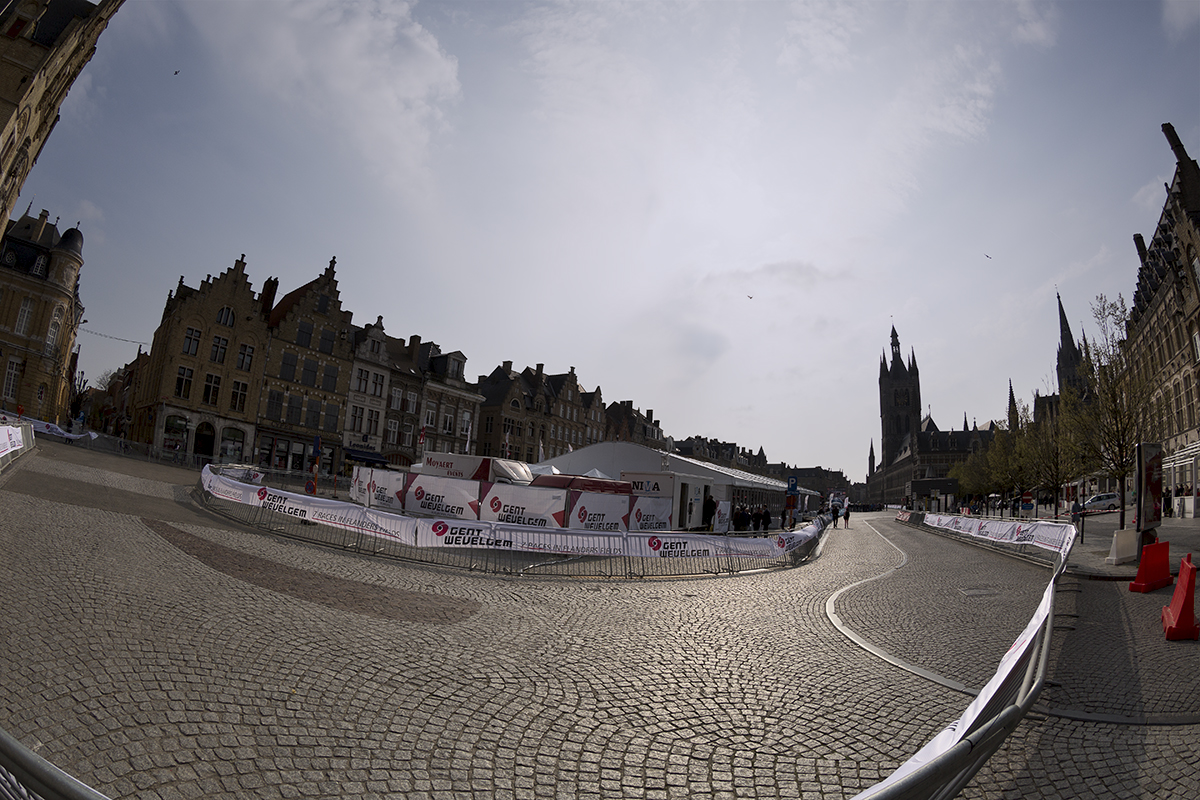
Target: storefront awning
x=366 y=456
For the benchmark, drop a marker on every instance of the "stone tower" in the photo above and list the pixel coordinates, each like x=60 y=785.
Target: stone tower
x=899 y=401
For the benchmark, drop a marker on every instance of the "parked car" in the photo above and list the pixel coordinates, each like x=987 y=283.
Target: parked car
x=1106 y=501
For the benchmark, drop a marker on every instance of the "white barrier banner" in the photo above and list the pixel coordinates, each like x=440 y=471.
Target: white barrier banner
x=596 y=511
x=721 y=520
x=523 y=505
x=1055 y=536
x=385 y=490
x=441 y=497
x=40 y=426
x=500 y=536
x=10 y=439
x=650 y=514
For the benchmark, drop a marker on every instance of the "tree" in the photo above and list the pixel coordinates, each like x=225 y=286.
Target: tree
x=1051 y=457
x=1113 y=415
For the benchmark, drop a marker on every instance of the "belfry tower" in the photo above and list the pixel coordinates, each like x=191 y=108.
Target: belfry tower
x=899 y=401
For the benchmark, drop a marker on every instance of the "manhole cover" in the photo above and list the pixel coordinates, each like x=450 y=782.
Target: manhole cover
x=979 y=592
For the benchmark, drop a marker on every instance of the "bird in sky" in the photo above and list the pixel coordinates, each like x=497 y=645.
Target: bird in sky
x=750 y=296
x=176 y=72
x=985 y=255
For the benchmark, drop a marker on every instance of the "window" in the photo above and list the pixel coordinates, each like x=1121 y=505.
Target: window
x=360 y=381
x=397 y=398
x=218 y=350
x=312 y=418
x=373 y=422
x=52 y=334
x=377 y=384
x=12 y=379
x=225 y=316
x=323 y=304
x=287 y=370
x=408 y=434
x=304 y=331
x=430 y=417
x=183 y=383
x=237 y=397
x=393 y=430
x=448 y=423
x=455 y=368
x=331 y=417
x=487 y=425
x=412 y=403
x=275 y=405
x=191 y=341
x=308 y=376
x=326 y=345
x=329 y=382
x=212 y=389
x=245 y=356
x=375 y=346
x=356 y=419
x=293 y=409
x=465 y=427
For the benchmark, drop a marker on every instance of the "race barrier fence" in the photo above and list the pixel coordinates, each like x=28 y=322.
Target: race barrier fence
x=459 y=538
x=945 y=765
x=15 y=439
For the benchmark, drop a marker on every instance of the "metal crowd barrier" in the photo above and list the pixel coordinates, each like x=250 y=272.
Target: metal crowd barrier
x=945 y=775
x=501 y=562
x=27 y=443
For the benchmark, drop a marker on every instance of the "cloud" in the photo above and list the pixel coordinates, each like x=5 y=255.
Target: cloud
x=1037 y=23
x=1179 y=16
x=367 y=70
x=819 y=34
x=1151 y=196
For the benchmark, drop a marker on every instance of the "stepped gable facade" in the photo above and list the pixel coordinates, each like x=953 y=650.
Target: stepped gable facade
x=531 y=415
x=198 y=391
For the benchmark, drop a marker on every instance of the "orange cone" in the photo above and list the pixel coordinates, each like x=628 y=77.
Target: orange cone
x=1179 y=618
x=1154 y=570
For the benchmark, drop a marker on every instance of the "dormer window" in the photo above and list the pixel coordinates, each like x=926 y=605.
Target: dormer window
x=39 y=266
x=456 y=368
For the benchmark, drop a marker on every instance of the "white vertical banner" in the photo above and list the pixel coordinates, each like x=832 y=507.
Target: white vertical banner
x=597 y=511
x=721 y=520
x=650 y=514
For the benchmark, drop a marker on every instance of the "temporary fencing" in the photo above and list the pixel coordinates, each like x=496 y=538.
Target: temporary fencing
x=947 y=762
x=15 y=439
x=460 y=539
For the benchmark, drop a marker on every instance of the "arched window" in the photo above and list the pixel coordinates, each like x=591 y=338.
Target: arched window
x=225 y=316
x=52 y=334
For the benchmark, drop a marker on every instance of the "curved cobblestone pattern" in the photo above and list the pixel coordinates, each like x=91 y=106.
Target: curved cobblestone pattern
x=146 y=672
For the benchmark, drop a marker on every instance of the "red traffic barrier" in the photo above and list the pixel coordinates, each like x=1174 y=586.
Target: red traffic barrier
x=1154 y=570
x=1179 y=618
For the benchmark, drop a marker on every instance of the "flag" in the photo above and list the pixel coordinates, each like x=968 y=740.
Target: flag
x=507 y=452
x=541 y=451
x=421 y=440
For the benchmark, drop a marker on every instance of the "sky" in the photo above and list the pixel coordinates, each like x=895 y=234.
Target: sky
x=717 y=210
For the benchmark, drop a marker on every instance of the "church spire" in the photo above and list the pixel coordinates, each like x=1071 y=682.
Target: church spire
x=1013 y=417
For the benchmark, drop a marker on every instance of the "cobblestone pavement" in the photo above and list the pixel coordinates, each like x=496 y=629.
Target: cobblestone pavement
x=154 y=651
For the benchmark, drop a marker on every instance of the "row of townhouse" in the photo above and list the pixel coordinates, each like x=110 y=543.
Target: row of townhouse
x=235 y=376
x=238 y=376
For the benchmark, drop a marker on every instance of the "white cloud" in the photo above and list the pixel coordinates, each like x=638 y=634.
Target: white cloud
x=1179 y=16
x=367 y=70
x=820 y=33
x=1037 y=23
x=1150 y=197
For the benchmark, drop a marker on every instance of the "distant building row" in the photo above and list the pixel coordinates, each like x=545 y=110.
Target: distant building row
x=234 y=375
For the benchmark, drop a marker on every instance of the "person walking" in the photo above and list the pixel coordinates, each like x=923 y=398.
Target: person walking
x=835 y=510
x=766 y=518
x=846 y=517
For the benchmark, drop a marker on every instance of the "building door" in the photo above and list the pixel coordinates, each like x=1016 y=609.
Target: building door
x=205 y=442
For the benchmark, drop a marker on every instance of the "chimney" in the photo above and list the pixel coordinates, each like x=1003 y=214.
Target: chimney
x=43 y=218
x=538 y=374
x=507 y=366
x=414 y=347
x=650 y=415
x=1140 y=244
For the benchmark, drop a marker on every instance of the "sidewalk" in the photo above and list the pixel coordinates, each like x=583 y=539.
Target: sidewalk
x=1087 y=557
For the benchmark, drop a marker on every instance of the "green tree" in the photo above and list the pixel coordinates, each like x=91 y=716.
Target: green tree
x=1113 y=415
x=1051 y=457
